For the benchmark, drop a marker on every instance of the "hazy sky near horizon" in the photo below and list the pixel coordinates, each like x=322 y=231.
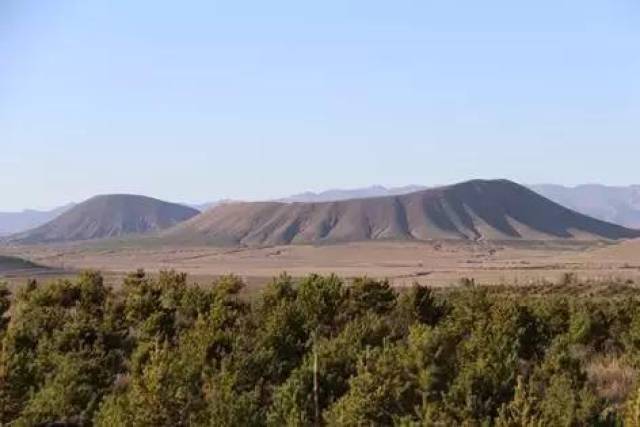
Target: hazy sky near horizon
x=202 y=100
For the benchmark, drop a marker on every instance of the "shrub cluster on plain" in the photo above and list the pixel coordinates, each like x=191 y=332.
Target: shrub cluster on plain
x=314 y=351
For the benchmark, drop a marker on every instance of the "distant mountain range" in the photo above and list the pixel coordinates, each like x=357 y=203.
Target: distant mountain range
x=205 y=206
x=106 y=217
x=358 y=193
x=118 y=215
x=15 y=222
x=474 y=210
x=620 y=205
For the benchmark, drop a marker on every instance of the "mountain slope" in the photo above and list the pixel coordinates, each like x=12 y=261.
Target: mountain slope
x=620 y=205
x=15 y=222
x=473 y=210
x=108 y=216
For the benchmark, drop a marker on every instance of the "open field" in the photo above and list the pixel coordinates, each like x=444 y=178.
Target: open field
x=403 y=263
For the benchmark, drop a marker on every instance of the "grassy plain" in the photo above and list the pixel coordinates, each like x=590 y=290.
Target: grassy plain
x=435 y=264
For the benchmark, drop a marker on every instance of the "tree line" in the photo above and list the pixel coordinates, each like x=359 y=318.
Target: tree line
x=316 y=351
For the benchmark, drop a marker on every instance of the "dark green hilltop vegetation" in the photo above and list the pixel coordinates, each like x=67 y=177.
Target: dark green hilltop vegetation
x=10 y=264
x=317 y=351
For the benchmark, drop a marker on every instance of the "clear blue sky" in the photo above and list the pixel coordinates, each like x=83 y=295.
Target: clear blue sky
x=200 y=100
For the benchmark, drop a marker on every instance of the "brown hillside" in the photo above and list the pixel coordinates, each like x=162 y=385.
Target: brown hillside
x=474 y=210
x=108 y=216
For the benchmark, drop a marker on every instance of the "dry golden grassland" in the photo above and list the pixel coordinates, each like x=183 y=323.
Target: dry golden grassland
x=403 y=263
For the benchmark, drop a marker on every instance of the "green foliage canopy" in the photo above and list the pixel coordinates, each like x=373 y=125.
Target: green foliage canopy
x=159 y=351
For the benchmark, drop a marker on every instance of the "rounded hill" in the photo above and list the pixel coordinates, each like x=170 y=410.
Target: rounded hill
x=473 y=210
x=108 y=216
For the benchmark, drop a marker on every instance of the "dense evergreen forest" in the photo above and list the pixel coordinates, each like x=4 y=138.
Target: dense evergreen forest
x=156 y=351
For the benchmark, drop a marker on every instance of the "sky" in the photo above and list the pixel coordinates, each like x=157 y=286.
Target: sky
x=195 y=101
